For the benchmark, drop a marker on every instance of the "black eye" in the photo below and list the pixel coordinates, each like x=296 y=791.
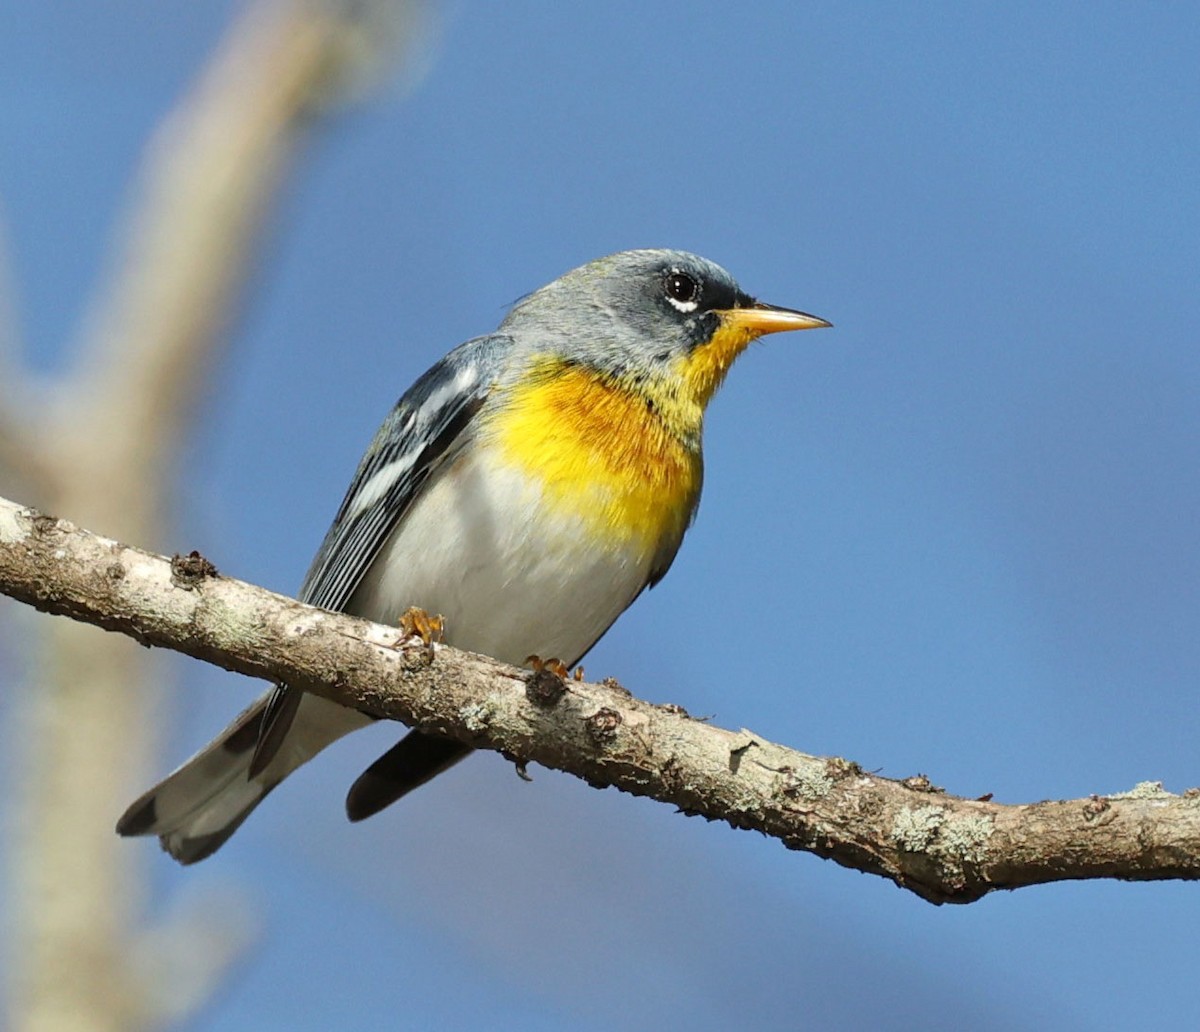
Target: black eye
x=682 y=288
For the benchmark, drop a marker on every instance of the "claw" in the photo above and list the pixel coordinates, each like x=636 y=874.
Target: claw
x=554 y=666
x=416 y=623
x=548 y=682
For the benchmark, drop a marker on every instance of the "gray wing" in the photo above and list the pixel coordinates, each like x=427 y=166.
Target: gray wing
x=422 y=432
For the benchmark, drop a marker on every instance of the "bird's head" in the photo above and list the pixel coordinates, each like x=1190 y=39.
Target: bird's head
x=667 y=319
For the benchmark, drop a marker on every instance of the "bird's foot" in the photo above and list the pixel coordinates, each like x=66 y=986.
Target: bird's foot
x=416 y=623
x=554 y=666
x=548 y=682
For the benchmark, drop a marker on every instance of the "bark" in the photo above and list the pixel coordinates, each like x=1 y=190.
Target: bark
x=944 y=848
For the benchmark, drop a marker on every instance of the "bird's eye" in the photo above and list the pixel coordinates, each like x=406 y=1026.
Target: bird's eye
x=682 y=291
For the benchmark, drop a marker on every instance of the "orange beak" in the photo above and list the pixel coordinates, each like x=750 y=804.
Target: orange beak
x=762 y=318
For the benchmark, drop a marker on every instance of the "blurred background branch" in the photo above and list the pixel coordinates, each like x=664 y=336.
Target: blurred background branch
x=104 y=442
x=19 y=408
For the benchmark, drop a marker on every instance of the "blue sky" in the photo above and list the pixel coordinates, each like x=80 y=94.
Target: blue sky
x=955 y=535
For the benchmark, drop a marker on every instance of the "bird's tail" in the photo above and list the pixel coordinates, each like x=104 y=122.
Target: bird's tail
x=197 y=807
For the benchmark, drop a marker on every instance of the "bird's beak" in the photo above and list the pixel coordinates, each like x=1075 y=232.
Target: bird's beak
x=760 y=318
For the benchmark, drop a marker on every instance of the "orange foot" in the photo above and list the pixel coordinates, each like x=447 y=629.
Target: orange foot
x=417 y=623
x=548 y=682
x=555 y=666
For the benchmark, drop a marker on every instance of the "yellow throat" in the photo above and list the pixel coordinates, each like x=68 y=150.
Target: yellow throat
x=619 y=453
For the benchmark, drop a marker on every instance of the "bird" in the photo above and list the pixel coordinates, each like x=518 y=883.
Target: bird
x=526 y=489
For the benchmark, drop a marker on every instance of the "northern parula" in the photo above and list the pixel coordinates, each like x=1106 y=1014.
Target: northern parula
x=526 y=489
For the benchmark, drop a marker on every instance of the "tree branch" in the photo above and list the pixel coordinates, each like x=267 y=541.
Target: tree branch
x=944 y=848
x=208 y=181
x=20 y=399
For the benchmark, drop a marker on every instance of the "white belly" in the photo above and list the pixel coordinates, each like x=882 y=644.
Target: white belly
x=510 y=578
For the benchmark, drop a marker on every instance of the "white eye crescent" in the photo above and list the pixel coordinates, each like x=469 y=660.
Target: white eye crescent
x=682 y=291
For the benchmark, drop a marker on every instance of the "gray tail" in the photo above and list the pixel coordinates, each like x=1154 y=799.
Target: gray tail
x=197 y=807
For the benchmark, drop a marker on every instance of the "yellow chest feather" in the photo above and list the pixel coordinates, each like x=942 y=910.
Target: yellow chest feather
x=602 y=453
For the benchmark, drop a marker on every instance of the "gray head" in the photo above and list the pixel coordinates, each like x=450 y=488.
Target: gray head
x=649 y=313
